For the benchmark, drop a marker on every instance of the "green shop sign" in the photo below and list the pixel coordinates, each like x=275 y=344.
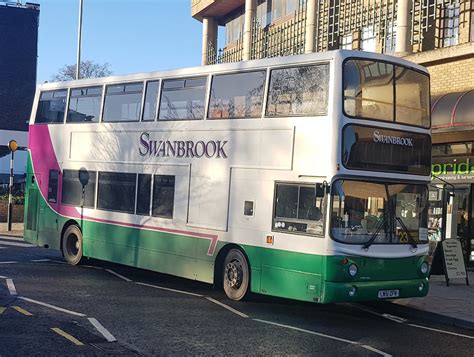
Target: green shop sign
x=456 y=169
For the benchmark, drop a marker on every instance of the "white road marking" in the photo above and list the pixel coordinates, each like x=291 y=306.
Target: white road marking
x=118 y=275
x=107 y=335
x=52 y=306
x=40 y=260
x=15 y=244
x=394 y=318
x=10 y=262
x=3 y=277
x=168 y=289
x=3 y=247
x=241 y=314
x=11 y=287
x=59 y=262
x=91 y=266
x=442 y=331
x=326 y=336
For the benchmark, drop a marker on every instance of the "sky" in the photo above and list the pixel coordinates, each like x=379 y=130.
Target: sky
x=132 y=35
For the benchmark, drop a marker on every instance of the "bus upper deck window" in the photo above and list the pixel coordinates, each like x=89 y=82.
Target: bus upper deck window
x=51 y=107
x=84 y=105
x=123 y=102
x=183 y=99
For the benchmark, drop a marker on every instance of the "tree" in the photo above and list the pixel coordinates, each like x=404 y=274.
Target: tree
x=89 y=69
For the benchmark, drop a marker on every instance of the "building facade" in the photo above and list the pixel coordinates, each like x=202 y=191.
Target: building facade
x=438 y=34
x=18 y=58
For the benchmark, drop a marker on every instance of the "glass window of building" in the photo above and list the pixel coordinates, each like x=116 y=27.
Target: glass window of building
x=123 y=102
x=238 y=95
x=368 y=42
x=151 y=100
x=51 y=107
x=390 y=39
x=450 y=22
x=234 y=29
x=84 y=105
x=116 y=192
x=298 y=91
x=346 y=42
x=183 y=99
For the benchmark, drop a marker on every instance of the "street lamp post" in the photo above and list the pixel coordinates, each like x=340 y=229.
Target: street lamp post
x=79 y=37
x=13 y=146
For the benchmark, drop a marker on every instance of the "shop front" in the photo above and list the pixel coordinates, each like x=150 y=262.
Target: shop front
x=451 y=212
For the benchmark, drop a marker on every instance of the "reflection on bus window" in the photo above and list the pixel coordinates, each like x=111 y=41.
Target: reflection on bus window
x=51 y=107
x=238 y=95
x=163 y=196
x=116 y=192
x=72 y=189
x=151 y=100
x=412 y=97
x=299 y=209
x=377 y=212
x=383 y=91
x=298 y=91
x=368 y=89
x=123 y=102
x=84 y=105
x=183 y=99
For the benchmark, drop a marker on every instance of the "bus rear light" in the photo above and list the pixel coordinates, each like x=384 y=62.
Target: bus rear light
x=352 y=291
x=421 y=287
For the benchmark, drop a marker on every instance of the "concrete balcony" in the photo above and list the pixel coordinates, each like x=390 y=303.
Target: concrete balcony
x=214 y=8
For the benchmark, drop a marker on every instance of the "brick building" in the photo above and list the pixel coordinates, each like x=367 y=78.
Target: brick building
x=438 y=34
x=18 y=58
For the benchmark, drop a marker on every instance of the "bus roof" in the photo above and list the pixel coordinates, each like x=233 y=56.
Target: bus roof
x=234 y=67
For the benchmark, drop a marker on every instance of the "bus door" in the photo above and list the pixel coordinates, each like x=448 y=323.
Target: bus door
x=47 y=218
x=32 y=210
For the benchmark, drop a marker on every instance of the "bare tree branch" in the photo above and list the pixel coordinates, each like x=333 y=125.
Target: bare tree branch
x=89 y=69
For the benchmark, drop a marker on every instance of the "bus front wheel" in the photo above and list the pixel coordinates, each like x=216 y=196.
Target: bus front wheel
x=72 y=245
x=236 y=275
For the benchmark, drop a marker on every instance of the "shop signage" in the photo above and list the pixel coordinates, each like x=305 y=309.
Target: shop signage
x=458 y=169
x=454 y=260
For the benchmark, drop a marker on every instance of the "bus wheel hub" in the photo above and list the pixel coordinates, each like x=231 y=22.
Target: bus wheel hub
x=234 y=274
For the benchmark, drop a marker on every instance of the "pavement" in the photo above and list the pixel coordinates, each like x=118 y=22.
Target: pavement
x=451 y=305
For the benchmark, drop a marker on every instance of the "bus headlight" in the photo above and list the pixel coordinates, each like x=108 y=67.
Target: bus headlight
x=353 y=270
x=424 y=268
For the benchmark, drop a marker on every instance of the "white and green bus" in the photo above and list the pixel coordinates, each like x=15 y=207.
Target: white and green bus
x=303 y=177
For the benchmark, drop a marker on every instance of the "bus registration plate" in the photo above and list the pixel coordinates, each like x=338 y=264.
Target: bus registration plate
x=387 y=294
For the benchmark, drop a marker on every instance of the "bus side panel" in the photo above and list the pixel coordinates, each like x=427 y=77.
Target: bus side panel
x=152 y=250
x=291 y=275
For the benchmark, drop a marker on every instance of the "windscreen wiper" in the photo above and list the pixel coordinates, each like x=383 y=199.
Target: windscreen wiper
x=410 y=237
x=376 y=233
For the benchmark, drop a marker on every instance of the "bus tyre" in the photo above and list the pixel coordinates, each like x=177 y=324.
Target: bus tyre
x=236 y=275
x=72 y=245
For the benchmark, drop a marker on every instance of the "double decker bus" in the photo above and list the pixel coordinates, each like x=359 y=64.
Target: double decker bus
x=303 y=177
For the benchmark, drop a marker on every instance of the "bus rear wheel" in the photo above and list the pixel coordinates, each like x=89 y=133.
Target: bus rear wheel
x=235 y=275
x=71 y=245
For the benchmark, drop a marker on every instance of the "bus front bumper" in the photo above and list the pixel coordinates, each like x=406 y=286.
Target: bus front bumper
x=373 y=290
